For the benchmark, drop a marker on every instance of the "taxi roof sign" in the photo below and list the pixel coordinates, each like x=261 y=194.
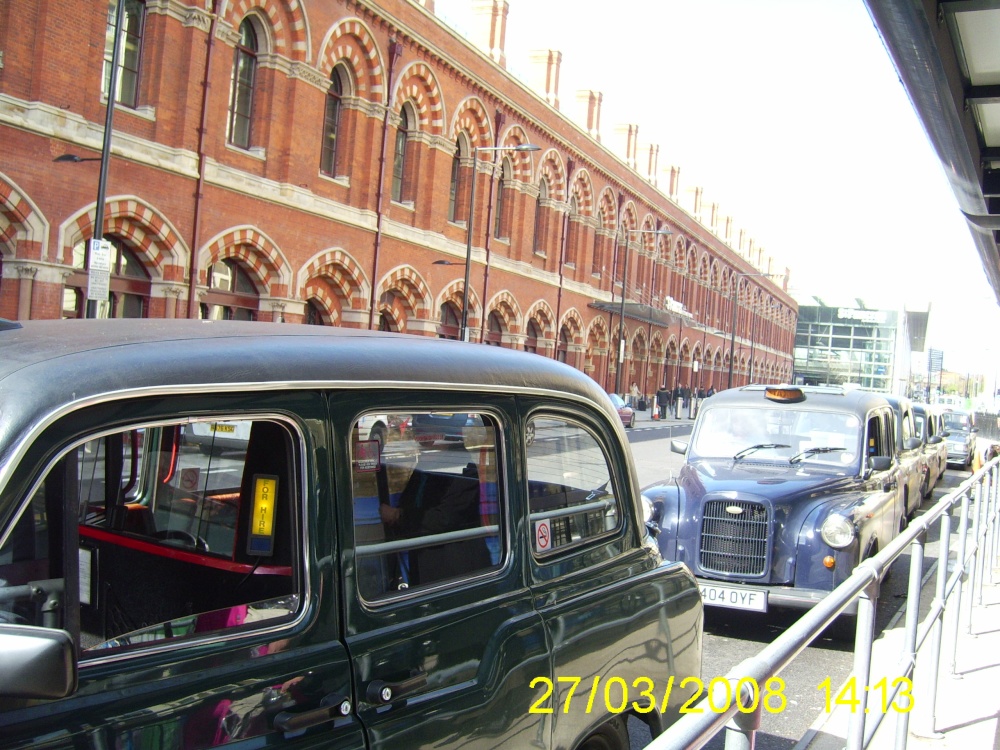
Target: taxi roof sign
x=784 y=394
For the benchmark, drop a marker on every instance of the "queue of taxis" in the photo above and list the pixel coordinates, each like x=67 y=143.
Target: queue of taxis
x=783 y=491
x=929 y=423
x=193 y=554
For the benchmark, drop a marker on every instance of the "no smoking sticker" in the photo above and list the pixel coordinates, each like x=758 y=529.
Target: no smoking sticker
x=543 y=536
x=189 y=479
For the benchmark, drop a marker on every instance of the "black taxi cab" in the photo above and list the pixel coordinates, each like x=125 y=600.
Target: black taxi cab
x=300 y=581
x=784 y=490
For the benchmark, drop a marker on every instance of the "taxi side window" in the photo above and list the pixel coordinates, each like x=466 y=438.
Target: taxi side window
x=571 y=495
x=880 y=436
x=175 y=534
x=427 y=503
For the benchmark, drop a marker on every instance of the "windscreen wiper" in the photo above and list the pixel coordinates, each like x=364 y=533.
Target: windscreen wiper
x=760 y=446
x=811 y=452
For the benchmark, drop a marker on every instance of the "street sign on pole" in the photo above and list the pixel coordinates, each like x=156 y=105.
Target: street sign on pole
x=99 y=271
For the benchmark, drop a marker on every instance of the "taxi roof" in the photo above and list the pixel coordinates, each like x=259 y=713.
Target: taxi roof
x=46 y=365
x=816 y=397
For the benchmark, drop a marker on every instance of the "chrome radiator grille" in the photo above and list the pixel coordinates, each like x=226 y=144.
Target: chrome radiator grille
x=734 y=537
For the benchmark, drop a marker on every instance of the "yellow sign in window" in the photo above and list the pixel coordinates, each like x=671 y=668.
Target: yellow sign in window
x=265 y=500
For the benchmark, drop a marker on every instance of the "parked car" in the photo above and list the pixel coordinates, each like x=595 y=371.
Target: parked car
x=446 y=427
x=308 y=588
x=625 y=412
x=930 y=428
x=909 y=454
x=961 y=436
x=783 y=491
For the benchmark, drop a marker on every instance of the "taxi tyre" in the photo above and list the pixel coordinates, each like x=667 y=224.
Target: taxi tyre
x=378 y=435
x=610 y=736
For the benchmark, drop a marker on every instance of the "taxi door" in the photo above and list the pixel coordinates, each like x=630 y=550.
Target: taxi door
x=439 y=622
x=619 y=621
x=200 y=615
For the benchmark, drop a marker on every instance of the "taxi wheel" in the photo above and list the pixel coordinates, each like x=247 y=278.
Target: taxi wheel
x=378 y=435
x=610 y=736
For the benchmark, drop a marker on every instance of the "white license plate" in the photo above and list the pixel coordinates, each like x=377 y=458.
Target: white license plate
x=735 y=597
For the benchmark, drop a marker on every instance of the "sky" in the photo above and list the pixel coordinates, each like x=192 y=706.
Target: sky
x=790 y=116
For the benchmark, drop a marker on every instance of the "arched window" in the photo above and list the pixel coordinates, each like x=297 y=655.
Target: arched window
x=531 y=337
x=562 y=348
x=331 y=123
x=241 y=94
x=450 y=323
x=597 y=261
x=495 y=329
x=457 y=196
x=232 y=295
x=572 y=232
x=314 y=314
x=133 y=23
x=399 y=163
x=129 y=288
x=541 y=226
x=501 y=224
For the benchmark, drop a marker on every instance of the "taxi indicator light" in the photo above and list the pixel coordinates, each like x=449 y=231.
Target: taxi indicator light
x=784 y=394
x=829 y=561
x=260 y=540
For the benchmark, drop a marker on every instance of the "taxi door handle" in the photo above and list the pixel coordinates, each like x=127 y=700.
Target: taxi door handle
x=330 y=707
x=380 y=692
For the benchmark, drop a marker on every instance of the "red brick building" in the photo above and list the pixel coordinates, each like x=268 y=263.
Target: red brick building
x=312 y=162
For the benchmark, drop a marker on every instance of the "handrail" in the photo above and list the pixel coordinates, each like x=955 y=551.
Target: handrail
x=743 y=715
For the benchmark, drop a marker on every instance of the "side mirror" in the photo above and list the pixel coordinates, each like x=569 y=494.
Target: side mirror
x=879 y=463
x=38 y=662
x=935 y=439
x=911 y=443
x=974 y=429
x=678 y=446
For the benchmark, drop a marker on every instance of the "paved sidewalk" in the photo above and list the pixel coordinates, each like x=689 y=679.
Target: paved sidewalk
x=646 y=415
x=967 y=706
x=966 y=712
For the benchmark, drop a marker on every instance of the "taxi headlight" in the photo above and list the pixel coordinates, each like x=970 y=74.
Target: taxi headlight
x=647 y=509
x=837 y=531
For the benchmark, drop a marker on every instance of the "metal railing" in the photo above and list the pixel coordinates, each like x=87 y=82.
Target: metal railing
x=740 y=691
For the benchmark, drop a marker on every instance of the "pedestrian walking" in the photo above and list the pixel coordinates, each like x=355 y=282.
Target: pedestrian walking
x=663 y=400
x=633 y=394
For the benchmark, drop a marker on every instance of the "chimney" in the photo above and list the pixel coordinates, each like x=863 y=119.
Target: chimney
x=675 y=183
x=590 y=105
x=654 y=161
x=627 y=136
x=714 y=218
x=427 y=4
x=696 y=208
x=545 y=71
x=490 y=26
x=728 y=235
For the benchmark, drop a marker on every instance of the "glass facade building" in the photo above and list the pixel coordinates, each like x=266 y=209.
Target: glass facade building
x=846 y=345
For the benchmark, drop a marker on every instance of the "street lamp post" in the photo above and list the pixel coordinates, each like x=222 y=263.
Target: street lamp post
x=732 y=332
x=472 y=208
x=98 y=234
x=621 y=311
